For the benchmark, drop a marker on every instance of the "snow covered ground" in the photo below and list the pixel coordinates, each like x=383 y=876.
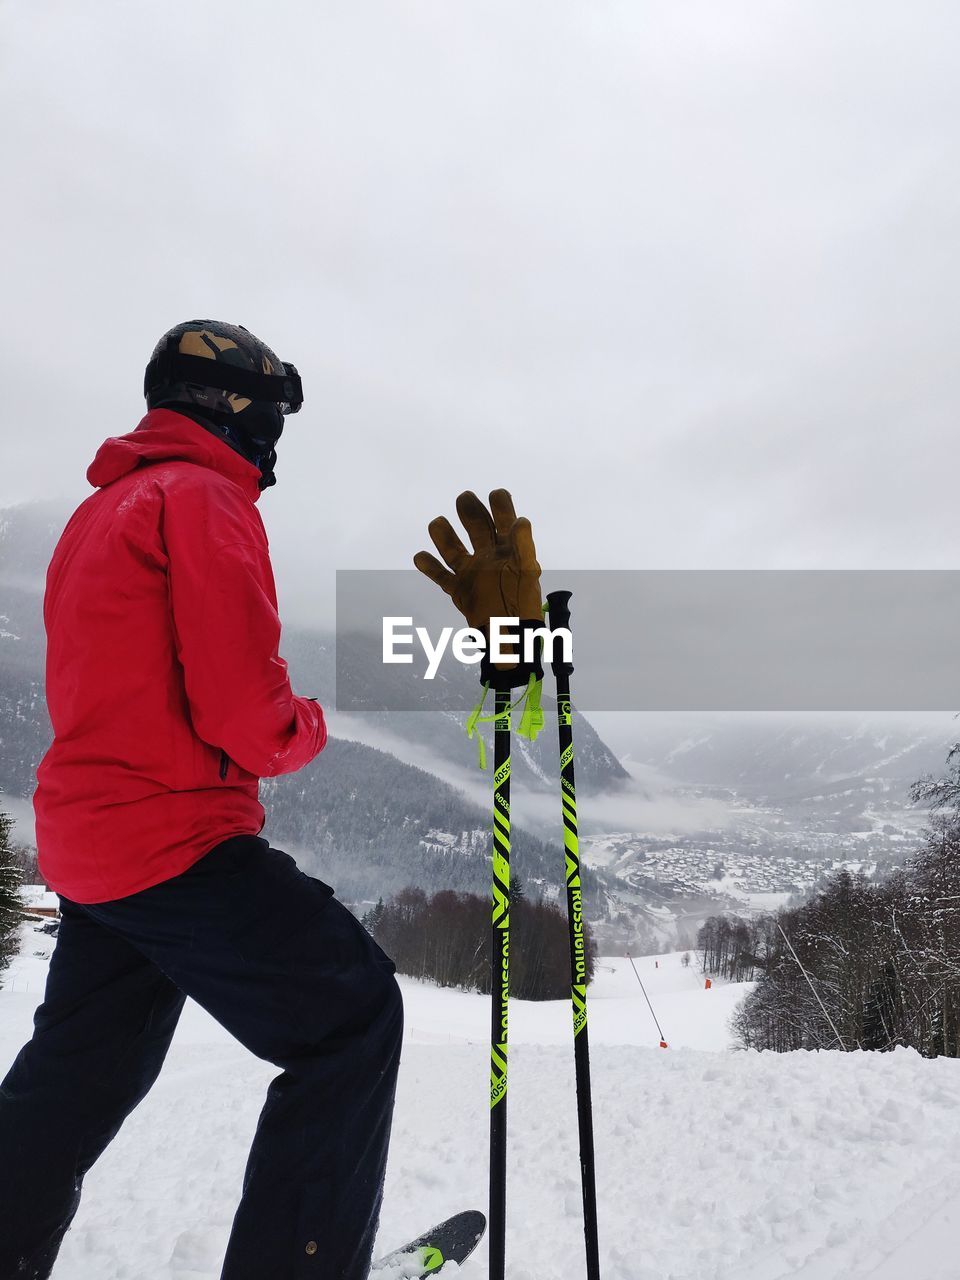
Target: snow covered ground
x=712 y=1165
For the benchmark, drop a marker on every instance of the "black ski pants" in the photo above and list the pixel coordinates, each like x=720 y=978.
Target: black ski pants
x=288 y=971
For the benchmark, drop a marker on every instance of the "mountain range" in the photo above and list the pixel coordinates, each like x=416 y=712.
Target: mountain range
x=683 y=815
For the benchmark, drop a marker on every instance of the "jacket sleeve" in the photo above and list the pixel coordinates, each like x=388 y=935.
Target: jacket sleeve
x=227 y=633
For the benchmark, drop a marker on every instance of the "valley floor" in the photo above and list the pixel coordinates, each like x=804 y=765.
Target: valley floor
x=712 y=1165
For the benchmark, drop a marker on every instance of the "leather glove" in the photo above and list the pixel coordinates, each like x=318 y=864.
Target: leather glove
x=500 y=578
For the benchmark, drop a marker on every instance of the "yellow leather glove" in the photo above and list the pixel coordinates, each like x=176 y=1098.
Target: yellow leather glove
x=500 y=577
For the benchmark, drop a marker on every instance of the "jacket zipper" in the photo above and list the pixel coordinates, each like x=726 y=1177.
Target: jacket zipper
x=224 y=762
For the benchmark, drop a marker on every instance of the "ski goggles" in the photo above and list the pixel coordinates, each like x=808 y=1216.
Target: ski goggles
x=284 y=390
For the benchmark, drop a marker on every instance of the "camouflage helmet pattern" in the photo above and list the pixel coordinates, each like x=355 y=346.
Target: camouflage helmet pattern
x=174 y=373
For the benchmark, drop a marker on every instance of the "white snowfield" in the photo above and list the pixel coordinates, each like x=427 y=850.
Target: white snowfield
x=712 y=1165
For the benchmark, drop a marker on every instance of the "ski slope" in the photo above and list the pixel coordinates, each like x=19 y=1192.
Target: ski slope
x=712 y=1165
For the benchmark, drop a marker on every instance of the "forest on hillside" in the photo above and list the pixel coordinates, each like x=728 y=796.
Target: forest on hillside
x=446 y=937
x=862 y=964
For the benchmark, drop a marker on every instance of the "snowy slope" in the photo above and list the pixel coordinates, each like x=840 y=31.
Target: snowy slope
x=712 y=1165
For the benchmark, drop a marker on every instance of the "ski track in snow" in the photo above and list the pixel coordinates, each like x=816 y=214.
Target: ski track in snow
x=712 y=1165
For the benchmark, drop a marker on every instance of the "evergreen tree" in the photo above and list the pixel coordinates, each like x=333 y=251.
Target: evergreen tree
x=11 y=911
x=373 y=918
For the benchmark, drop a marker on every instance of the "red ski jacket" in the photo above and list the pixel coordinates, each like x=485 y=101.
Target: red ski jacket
x=168 y=698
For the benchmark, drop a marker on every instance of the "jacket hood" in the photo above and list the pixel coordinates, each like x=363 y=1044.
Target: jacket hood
x=166 y=436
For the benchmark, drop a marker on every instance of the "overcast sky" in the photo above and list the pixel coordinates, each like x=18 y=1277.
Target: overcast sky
x=682 y=275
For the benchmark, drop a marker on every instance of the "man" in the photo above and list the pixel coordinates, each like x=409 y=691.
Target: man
x=169 y=702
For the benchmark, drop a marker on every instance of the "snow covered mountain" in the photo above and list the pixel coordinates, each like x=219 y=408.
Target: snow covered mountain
x=709 y=813
x=370 y=824
x=784 y=759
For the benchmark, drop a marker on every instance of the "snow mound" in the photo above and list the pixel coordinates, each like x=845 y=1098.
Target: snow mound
x=712 y=1165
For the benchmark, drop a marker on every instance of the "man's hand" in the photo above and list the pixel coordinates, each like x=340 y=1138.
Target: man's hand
x=500 y=578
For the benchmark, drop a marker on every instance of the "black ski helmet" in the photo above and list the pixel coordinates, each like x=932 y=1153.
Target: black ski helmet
x=230 y=383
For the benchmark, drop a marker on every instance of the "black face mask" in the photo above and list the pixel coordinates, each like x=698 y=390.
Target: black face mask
x=256 y=431
x=253 y=433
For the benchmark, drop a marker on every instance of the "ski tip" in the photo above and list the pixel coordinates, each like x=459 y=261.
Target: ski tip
x=450 y=1241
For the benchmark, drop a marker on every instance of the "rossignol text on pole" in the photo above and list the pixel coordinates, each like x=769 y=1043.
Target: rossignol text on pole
x=500 y=984
x=502 y=681
x=558 y=610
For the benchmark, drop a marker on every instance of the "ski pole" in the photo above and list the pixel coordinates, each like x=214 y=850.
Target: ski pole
x=663 y=1043
x=558 y=610
x=500 y=983
x=502 y=681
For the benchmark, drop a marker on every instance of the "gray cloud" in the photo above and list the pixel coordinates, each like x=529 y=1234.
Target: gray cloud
x=683 y=276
